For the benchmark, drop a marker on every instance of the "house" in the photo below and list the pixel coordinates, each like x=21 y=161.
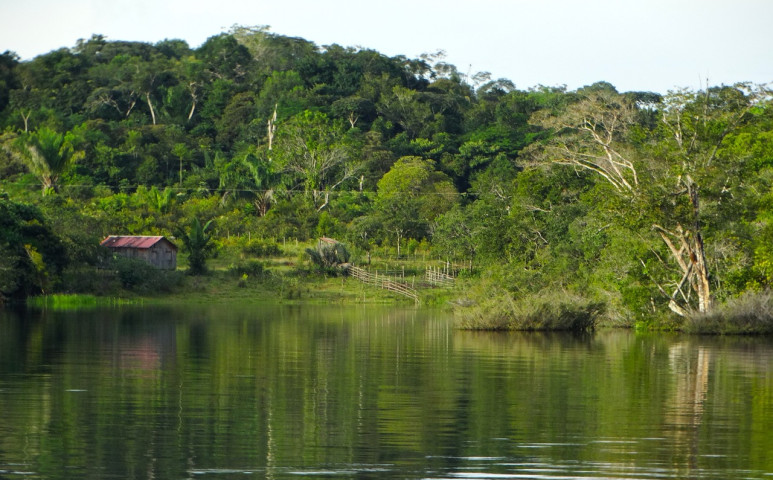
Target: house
x=157 y=251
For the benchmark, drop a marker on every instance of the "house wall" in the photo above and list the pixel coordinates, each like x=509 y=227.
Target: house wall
x=163 y=256
x=160 y=255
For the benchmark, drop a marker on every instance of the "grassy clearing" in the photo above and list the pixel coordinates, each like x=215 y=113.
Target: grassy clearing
x=264 y=270
x=219 y=287
x=275 y=284
x=245 y=271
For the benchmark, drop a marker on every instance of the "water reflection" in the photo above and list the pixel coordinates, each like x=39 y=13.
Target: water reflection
x=273 y=392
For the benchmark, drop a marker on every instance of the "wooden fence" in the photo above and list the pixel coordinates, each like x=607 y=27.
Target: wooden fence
x=384 y=281
x=438 y=277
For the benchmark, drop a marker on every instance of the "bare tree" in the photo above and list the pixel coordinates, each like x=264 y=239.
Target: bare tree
x=594 y=134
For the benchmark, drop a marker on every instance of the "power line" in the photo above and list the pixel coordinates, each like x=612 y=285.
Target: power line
x=366 y=193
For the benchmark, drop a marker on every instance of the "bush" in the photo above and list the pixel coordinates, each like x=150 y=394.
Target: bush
x=87 y=279
x=261 y=248
x=252 y=268
x=141 y=277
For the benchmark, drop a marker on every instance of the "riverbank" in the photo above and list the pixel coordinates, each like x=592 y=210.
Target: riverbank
x=227 y=286
x=751 y=314
x=279 y=288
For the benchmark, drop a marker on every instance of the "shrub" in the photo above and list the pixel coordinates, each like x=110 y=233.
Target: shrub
x=261 y=248
x=252 y=268
x=141 y=277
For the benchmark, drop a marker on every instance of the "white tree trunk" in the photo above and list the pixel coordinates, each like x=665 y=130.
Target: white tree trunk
x=150 y=105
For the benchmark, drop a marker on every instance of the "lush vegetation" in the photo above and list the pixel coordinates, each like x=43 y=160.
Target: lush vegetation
x=654 y=206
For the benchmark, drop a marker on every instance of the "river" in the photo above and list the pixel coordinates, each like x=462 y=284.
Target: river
x=290 y=392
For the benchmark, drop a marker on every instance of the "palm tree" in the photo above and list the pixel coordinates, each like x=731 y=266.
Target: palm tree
x=47 y=154
x=329 y=256
x=198 y=245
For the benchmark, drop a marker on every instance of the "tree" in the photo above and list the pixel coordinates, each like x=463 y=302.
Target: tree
x=47 y=154
x=353 y=109
x=403 y=106
x=25 y=102
x=198 y=244
x=8 y=81
x=693 y=128
x=31 y=255
x=411 y=195
x=182 y=152
x=312 y=149
x=591 y=135
x=659 y=173
x=455 y=235
x=160 y=201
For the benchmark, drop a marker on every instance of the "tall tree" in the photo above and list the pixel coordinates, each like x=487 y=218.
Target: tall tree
x=8 y=80
x=313 y=150
x=30 y=253
x=662 y=172
x=411 y=195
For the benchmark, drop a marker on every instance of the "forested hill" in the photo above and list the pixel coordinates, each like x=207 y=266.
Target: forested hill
x=137 y=110
x=644 y=202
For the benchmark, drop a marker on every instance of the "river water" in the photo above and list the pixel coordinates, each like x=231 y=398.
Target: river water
x=289 y=392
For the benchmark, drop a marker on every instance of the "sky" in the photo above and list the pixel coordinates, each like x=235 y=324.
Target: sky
x=644 y=45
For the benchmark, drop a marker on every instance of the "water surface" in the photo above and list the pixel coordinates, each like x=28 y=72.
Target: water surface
x=220 y=392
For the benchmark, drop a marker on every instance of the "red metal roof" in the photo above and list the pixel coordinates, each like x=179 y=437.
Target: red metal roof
x=130 y=241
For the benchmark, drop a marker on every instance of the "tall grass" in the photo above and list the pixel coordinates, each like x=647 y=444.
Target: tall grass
x=531 y=313
x=73 y=301
x=751 y=313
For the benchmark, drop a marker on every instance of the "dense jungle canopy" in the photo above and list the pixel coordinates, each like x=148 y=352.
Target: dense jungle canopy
x=647 y=202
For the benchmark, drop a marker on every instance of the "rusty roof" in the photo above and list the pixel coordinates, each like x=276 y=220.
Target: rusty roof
x=133 y=241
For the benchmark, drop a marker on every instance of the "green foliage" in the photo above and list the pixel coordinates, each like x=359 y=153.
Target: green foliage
x=47 y=154
x=411 y=195
x=143 y=278
x=314 y=155
x=261 y=248
x=543 y=190
x=327 y=226
x=31 y=256
x=249 y=268
x=198 y=244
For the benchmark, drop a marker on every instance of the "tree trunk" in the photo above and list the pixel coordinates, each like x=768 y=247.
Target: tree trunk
x=150 y=105
x=272 y=128
x=194 y=99
x=193 y=109
x=698 y=257
x=26 y=119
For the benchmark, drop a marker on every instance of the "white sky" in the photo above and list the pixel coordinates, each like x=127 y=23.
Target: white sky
x=652 y=45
